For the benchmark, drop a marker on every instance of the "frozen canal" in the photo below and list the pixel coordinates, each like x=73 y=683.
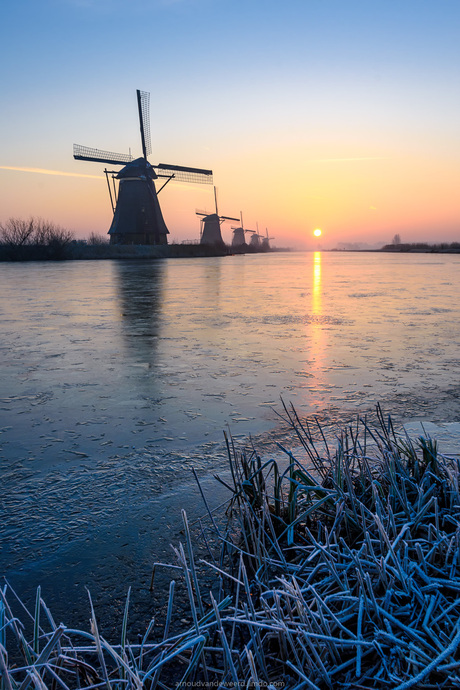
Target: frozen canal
x=118 y=377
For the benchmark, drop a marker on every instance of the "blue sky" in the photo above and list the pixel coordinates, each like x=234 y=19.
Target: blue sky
x=310 y=113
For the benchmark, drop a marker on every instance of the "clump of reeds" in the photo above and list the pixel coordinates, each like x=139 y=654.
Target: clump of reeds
x=339 y=569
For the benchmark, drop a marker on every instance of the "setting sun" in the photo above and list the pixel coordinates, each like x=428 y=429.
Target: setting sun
x=317 y=232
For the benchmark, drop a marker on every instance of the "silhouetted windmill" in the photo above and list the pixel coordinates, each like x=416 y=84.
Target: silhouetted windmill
x=210 y=225
x=255 y=242
x=238 y=239
x=266 y=241
x=137 y=217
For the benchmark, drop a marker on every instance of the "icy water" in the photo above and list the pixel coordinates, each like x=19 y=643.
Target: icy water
x=118 y=377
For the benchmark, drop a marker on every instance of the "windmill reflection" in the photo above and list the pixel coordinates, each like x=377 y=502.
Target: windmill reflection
x=211 y=281
x=139 y=293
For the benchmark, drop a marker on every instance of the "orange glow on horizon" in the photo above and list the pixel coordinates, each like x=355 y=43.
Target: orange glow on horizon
x=367 y=199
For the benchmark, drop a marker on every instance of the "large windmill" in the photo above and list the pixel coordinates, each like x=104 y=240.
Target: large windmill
x=210 y=225
x=137 y=217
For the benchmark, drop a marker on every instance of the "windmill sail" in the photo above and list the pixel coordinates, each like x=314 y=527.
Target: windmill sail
x=184 y=174
x=143 y=104
x=84 y=153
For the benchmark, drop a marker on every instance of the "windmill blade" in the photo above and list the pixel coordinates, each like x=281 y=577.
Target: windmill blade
x=229 y=218
x=84 y=153
x=184 y=174
x=143 y=105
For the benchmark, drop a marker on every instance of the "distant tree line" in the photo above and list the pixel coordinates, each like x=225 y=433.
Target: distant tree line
x=423 y=247
x=33 y=239
x=36 y=239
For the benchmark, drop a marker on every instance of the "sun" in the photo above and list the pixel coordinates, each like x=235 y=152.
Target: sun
x=317 y=232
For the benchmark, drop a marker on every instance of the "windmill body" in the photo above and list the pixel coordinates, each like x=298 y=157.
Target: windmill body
x=211 y=232
x=238 y=239
x=266 y=241
x=255 y=241
x=211 y=226
x=137 y=216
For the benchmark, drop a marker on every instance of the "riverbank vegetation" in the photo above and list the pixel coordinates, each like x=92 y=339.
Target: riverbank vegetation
x=36 y=239
x=33 y=239
x=40 y=240
x=423 y=247
x=338 y=568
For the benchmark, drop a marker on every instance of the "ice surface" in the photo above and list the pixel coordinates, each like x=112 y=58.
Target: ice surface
x=118 y=377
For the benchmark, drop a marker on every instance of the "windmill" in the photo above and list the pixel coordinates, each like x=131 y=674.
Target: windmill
x=210 y=225
x=137 y=216
x=266 y=241
x=238 y=234
x=255 y=242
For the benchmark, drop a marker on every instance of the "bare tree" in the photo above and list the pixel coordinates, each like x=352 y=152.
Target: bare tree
x=95 y=239
x=396 y=239
x=49 y=234
x=16 y=232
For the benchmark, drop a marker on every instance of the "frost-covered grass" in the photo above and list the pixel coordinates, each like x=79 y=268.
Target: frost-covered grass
x=338 y=569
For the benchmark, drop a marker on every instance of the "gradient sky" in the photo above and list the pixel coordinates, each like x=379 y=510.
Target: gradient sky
x=338 y=114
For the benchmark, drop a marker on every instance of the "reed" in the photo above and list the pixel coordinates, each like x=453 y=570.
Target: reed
x=339 y=569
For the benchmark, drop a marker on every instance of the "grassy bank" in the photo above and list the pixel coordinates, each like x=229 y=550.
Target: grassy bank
x=338 y=568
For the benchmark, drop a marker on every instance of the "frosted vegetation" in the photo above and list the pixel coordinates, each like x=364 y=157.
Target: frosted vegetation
x=342 y=575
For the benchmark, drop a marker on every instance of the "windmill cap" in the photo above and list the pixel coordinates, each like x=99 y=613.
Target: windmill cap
x=137 y=168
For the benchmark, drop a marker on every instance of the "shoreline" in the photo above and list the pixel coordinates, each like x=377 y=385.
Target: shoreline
x=104 y=252
x=78 y=251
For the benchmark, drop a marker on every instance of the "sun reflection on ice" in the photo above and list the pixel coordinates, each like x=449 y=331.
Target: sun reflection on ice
x=316 y=334
x=316 y=301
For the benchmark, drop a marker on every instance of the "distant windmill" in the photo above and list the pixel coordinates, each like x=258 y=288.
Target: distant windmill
x=137 y=217
x=255 y=242
x=238 y=234
x=266 y=241
x=210 y=225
